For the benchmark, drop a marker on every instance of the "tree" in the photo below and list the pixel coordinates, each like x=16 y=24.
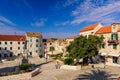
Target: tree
x=52 y=49
x=84 y=47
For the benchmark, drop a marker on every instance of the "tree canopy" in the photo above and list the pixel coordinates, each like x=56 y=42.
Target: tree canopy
x=84 y=47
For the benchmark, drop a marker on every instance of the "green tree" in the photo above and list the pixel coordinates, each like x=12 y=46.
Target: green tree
x=52 y=49
x=84 y=47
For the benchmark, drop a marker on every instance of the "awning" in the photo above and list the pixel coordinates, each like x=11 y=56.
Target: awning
x=102 y=54
x=113 y=54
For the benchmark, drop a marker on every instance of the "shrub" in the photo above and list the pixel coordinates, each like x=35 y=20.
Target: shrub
x=66 y=55
x=24 y=66
x=57 y=56
x=68 y=61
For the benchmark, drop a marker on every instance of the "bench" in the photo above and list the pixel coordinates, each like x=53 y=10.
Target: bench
x=35 y=72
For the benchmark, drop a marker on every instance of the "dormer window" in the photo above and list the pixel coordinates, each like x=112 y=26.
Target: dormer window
x=114 y=26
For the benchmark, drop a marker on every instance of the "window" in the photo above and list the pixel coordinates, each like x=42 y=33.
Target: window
x=101 y=35
x=114 y=36
x=10 y=48
x=40 y=45
x=18 y=42
x=114 y=27
x=30 y=53
x=115 y=59
x=10 y=42
x=114 y=46
x=31 y=45
x=18 y=48
x=22 y=42
x=36 y=40
x=36 y=51
x=103 y=45
x=36 y=45
x=0 y=42
x=5 y=42
x=5 y=48
x=91 y=32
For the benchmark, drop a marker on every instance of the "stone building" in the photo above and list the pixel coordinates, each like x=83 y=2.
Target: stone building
x=14 y=44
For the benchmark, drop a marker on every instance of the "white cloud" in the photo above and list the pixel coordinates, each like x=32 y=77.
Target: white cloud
x=58 y=34
x=66 y=3
x=70 y=2
x=8 y=30
x=62 y=23
x=40 y=22
x=91 y=12
x=6 y=21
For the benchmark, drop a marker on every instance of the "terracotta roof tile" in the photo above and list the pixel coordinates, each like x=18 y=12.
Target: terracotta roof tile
x=34 y=34
x=91 y=27
x=50 y=41
x=12 y=38
x=106 y=29
x=73 y=37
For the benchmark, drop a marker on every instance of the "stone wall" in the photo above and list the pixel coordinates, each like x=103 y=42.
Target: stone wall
x=23 y=76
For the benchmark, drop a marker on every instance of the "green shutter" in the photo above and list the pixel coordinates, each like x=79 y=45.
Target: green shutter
x=111 y=36
x=116 y=36
x=114 y=46
x=103 y=45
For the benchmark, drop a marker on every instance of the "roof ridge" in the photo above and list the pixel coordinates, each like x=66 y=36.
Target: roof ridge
x=90 y=27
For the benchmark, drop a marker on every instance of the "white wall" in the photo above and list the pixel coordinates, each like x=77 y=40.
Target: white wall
x=14 y=46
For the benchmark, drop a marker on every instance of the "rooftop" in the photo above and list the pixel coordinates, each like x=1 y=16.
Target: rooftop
x=12 y=38
x=103 y=30
x=91 y=27
x=34 y=34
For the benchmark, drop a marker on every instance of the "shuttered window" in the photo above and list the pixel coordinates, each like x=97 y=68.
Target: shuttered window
x=114 y=46
x=114 y=36
x=103 y=45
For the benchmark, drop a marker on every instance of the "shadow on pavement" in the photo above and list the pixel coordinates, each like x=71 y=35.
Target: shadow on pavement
x=96 y=75
x=39 y=65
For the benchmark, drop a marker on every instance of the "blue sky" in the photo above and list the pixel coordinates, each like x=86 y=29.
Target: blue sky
x=55 y=18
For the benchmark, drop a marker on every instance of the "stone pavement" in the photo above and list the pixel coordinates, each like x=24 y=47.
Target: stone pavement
x=49 y=72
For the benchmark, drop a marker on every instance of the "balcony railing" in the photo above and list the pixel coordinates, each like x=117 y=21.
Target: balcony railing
x=113 y=41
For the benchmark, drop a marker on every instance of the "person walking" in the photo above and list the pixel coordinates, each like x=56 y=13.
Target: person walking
x=57 y=65
x=46 y=56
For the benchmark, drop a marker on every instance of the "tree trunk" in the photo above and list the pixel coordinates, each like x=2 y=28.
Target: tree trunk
x=85 y=61
x=91 y=59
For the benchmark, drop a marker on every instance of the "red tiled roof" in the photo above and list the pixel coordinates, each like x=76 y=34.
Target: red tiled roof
x=73 y=37
x=91 y=27
x=50 y=41
x=12 y=38
x=106 y=29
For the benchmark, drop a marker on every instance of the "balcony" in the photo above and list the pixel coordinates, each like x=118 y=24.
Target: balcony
x=113 y=41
